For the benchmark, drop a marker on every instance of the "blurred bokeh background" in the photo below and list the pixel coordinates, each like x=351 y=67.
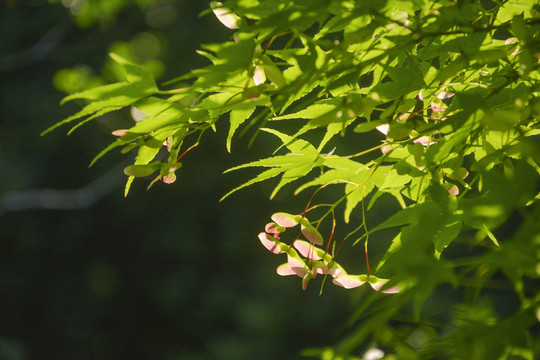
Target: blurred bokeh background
x=168 y=273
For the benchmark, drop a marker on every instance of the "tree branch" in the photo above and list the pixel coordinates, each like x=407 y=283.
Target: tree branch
x=54 y=199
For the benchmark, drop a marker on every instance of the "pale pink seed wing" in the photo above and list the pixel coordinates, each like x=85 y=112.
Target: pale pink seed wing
x=225 y=16
x=169 y=178
x=258 y=76
x=285 y=220
x=392 y=290
x=285 y=270
x=336 y=271
x=119 y=132
x=298 y=266
x=377 y=286
x=445 y=95
x=306 y=249
x=454 y=190
x=383 y=128
x=305 y=280
x=270 y=243
x=272 y=228
x=424 y=140
x=323 y=269
x=311 y=234
x=348 y=281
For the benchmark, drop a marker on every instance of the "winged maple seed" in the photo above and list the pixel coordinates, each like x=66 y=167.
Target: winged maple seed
x=306 y=260
x=225 y=16
x=287 y=220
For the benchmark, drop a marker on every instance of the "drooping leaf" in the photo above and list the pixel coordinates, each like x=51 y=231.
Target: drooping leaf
x=265 y=175
x=357 y=189
x=313 y=111
x=145 y=155
x=295 y=145
x=239 y=115
x=142 y=170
